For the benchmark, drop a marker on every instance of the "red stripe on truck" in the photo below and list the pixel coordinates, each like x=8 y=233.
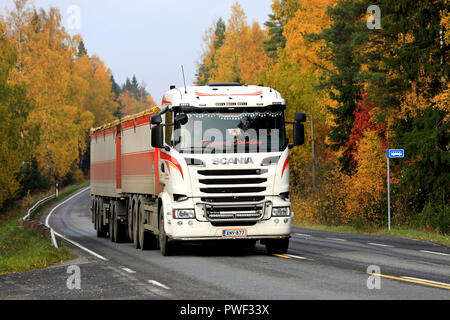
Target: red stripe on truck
x=138 y=163
x=103 y=171
x=174 y=161
x=285 y=165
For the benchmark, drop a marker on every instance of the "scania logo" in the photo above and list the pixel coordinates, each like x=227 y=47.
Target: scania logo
x=242 y=160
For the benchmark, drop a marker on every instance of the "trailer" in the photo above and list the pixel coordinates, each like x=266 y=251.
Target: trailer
x=212 y=164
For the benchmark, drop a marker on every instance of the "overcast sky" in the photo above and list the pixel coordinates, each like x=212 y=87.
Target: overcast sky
x=148 y=38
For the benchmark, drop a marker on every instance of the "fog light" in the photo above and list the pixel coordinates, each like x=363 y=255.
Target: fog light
x=190 y=222
x=286 y=221
x=276 y=221
x=180 y=223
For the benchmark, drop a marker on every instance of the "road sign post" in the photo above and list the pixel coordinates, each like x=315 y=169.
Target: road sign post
x=391 y=153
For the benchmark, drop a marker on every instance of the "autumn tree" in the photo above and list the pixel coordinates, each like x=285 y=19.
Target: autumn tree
x=345 y=38
x=45 y=63
x=14 y=109
x=365 y=189
x=214 y=39
x=241 y=58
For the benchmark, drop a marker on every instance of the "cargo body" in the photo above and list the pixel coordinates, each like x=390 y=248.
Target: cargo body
x=122 y=159
x=200 y=168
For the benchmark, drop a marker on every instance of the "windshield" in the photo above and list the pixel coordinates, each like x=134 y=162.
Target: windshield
x=231 y=132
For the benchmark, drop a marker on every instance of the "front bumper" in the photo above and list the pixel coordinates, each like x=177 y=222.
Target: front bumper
x=193 y=230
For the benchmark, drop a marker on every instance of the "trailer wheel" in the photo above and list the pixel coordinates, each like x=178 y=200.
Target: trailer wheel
x=93 y=211
x=101 y=229
x=136 y=227
x=130 y=205
x=279 y=246
x=165 y=246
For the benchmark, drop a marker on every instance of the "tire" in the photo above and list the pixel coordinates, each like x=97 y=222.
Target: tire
x=101 y=229
x=130 y=219
x=143 y=235
x=278 y=246
x=94 y=214
x=165 y=246
x=136 y=227
x=93 y=211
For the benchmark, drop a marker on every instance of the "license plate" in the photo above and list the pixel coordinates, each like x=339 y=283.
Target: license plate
x=234 y=233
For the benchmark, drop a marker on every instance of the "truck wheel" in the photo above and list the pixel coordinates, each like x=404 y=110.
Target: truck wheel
x=165 y=246
x=279 y=246
x=93 y=211
x=136 y=227
x=94 y=214
x=130 y=219
x=101 y=229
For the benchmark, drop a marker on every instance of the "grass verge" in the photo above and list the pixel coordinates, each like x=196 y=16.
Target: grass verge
x=397 y=232
x=23 y=250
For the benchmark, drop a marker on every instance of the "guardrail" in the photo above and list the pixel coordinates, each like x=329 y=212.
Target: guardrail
x=34 y=208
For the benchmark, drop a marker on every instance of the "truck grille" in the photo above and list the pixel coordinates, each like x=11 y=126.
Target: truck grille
x=234 y=211
x=236 y=181
x=233 y=190
x=233 y=196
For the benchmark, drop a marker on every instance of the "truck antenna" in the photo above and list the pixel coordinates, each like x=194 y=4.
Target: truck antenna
x=184 y=79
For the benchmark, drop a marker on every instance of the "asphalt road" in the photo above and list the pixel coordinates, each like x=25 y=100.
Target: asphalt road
x=318 y=265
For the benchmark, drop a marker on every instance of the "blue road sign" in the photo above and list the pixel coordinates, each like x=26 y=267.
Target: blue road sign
x=395 y=153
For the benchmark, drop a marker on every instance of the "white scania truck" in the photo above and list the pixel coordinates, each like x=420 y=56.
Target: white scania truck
x=211 y=164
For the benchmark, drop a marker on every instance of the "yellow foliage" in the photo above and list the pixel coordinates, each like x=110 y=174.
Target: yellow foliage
x=310 y=19
x=242 y=57
x=363 y=190
x=69 y=93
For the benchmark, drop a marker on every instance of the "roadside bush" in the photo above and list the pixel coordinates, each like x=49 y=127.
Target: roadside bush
x=434 y=217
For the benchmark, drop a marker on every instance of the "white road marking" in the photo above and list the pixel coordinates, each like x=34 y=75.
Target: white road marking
x=128 y=270
x=81 y=247
x=296 y=257
x=429 y=281
x=64 y=237
x=303 y=235
x=380 y=245
x=337 y=239
x=432 y=252
x=159 y=284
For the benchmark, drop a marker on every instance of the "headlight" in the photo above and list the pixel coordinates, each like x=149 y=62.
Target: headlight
x=281 y=212
x=184 y=214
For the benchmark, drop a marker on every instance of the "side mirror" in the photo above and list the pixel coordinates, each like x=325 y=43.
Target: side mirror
x=300 y=117
x=299 y=129
x=182 y=118
x=158 y=136
x=156 y=119
x=299 y=134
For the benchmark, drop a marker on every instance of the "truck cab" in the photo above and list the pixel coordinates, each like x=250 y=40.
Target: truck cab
x=223 y=165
